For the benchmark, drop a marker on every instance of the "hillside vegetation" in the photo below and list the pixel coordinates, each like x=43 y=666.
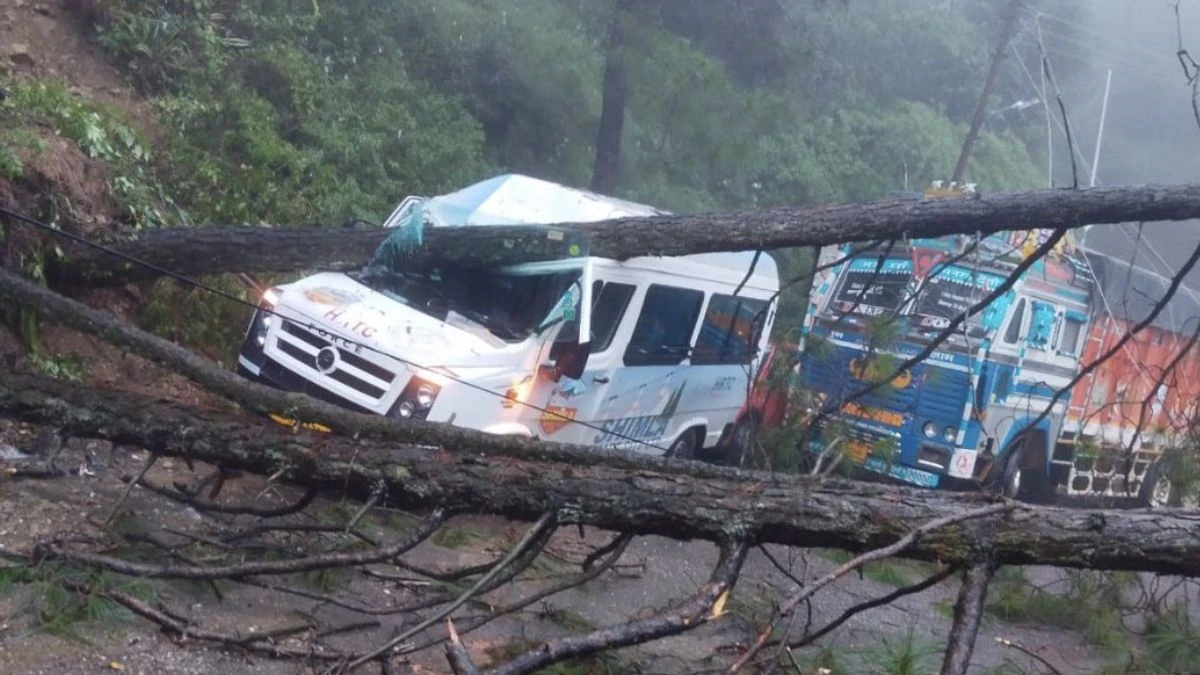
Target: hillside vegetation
x=294 y=112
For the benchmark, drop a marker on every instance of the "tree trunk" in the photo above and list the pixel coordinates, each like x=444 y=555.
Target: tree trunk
x=213 y=250
x=1010 y=22
x=755 y=507
x=262 y=399
x=612 y=109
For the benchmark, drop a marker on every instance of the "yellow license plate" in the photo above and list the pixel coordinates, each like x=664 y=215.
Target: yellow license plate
x=292 y=424
x=857 y=451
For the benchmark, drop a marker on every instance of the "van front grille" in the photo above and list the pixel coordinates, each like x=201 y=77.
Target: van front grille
x=352 y=370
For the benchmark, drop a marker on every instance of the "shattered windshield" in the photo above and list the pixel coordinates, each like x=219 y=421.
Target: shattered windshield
x=511 y=298
x=509 y=305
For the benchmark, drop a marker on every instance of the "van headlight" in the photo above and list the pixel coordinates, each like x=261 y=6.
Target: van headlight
x=417 y=399
x=260 y=323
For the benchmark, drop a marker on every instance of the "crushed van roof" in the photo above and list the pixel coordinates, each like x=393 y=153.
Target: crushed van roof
x=514 y=199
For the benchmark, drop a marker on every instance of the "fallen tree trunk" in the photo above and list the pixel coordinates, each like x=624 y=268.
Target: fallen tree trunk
x=262 y=399
x=753 y=507
x=210 y=250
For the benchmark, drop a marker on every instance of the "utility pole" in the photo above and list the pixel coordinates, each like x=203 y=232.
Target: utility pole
x=1006 y=34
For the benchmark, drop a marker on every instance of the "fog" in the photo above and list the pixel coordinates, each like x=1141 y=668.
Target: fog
x=1150 y=134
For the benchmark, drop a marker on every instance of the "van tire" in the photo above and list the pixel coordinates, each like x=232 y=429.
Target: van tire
x=684 y=446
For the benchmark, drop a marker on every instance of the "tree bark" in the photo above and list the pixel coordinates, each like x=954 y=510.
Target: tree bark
x=262 y=399
x=753 y=507
x=607 y=167
x=212 y=250
x=1010 y=22
x=968 y=613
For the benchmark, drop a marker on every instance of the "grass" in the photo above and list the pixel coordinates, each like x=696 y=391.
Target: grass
x=69 y=367
x=1090 y=604
x=1172 y=641
x=454 y=537
x=897 y=572
x=909 y=654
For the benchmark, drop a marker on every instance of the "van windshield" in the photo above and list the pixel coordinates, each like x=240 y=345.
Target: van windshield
x=509 y=305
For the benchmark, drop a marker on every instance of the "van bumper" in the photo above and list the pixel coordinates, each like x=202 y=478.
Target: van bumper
x=509 y=429
x=273 y=375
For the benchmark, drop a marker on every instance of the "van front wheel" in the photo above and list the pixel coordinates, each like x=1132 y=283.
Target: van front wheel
x=684 y=446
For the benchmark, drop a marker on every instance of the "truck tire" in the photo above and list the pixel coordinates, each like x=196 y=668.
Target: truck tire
x=1025 y=484
x=1156 y=491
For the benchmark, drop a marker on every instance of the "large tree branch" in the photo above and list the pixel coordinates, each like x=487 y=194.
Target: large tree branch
x=211 y=250
x=968 y=612
x=758 y=507
x=704 y=606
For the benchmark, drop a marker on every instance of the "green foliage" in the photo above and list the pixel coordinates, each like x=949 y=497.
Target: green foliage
x=1183 y=472
x=909 y=655
x=898 y=572
x=192 y=316
x=1091 y=603
x=284 y=113
x=456 y=537
x=1172 y=642
x=295 y=111
x=823 y=658
x=39 y=108
x=11 y=166
x=69 y=367
x=69 y=600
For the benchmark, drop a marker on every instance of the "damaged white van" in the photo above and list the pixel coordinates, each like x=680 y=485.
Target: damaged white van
x=650 y=354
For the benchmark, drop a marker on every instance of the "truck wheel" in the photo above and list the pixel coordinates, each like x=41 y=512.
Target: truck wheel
x=1156 y=491
x=1033 y=486
x=684 y=446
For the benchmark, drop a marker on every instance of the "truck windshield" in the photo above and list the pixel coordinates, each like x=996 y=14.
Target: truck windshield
x=950 y=292
x=509 y=305
x=871 y=289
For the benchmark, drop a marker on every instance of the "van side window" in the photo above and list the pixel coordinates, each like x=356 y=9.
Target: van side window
x=609 y=301
x=663 y=334
x=730 y=330
x=1013 y=332
x=608 y=308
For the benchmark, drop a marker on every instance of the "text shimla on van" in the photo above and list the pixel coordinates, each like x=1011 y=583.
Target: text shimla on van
x=650 y=354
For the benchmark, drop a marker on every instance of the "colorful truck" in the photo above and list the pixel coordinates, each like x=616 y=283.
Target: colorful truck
x=983 y=408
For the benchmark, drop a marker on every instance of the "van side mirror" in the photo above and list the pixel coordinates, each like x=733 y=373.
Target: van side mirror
x=572 y=359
